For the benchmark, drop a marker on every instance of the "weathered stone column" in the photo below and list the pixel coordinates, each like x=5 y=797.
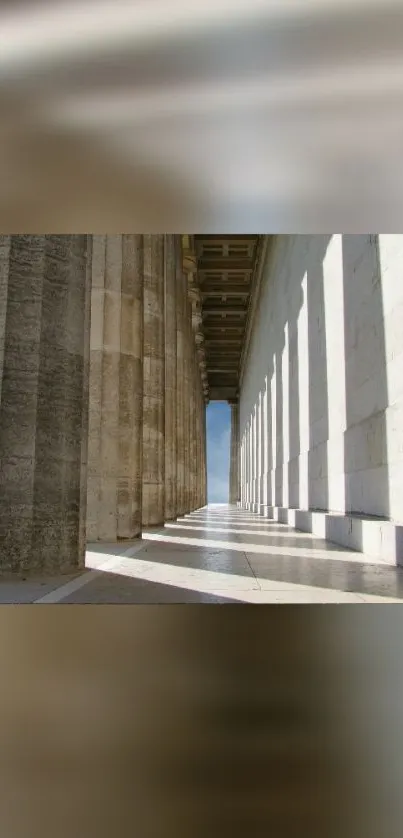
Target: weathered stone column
x=44 y=340
x=186 y=406
x=170 y=379
x=198 y=438
x=154 y=382
x=130 y=488
x=86 y=399
x=204 y=453
x=198 y=380
x=181 y=294
x=234 y=454
x=115 y=416
x=188 y=265
x=193 y=431
x=202 y=499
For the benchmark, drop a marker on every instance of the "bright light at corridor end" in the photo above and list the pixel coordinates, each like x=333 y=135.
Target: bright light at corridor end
x=250 y=116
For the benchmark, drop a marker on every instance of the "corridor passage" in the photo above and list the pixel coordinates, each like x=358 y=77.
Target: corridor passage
x=218 y=554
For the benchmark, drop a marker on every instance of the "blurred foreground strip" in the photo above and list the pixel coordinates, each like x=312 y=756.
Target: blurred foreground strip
x=243 y=116
x=190 y=721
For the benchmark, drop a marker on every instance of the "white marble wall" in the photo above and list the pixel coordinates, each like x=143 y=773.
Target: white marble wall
x=321 y=405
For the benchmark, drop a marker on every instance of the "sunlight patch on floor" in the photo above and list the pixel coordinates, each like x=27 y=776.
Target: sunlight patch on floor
x=240 y=587
x=243 y=547
x=235 y=531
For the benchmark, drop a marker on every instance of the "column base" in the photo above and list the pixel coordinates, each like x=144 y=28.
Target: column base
x=378 y=538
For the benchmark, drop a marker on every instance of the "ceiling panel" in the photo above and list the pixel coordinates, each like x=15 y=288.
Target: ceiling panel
x=225 y=267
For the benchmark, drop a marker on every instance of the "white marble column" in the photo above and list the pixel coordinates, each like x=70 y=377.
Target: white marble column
x=234 y=455
x=153 y=511
x=115 y=415
x=44 y=346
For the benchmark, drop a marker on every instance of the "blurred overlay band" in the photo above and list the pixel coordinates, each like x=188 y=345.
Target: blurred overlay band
x=192 y=721
x=245 y=116
x=249 y=116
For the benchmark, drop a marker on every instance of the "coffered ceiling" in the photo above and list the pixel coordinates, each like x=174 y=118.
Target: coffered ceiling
x=225 y=268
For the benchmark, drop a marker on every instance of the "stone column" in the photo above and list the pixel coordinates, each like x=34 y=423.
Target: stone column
x=86 y=399
x=153 y=382
x=186 y=405
x=170 y=379
x=181 y=293
x=196 y=435
x=202 y=500
x=192 y=432
x=198 y=378
x=198 y=439
x=115 y=416
x=44 y=337
x=204 y=453
x=234 y=454
x=131 y=390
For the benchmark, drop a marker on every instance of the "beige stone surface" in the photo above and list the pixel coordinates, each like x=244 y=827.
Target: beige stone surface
x=171 y=293
x=219 y=554
x=180 y=380
x=115 y=405
x=103 y=387
x=153 y=501
x=44 y=288
x=187 y=402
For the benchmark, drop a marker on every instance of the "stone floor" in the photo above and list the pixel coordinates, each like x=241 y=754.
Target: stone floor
x=219 y=554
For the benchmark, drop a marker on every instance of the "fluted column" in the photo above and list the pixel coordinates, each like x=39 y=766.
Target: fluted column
x=234 y=454
x=86 y=397
x=193 y=455
x=115 y=413
x=44 y=344
x=202 y=499
x=170 y=379
x=204 y=455
x=153 y=382
x=203 y=451
x=196 y=379
x=186 y=406
x=198 y=374
x=198 y=439
x=181 y=294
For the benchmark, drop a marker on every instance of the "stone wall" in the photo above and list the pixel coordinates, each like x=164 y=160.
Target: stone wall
x=321 y=405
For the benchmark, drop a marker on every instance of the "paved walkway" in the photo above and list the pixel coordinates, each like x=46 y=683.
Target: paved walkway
x=219 y=555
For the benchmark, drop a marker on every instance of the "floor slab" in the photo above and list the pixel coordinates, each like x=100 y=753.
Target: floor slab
x=218 y=555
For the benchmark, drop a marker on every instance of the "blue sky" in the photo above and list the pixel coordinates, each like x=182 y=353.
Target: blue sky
x=218 y=424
